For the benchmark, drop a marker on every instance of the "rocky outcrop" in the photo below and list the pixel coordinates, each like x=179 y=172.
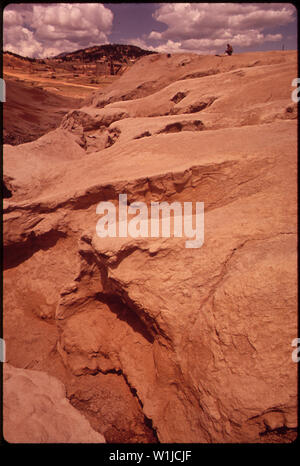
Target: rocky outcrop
x=36 y=411
x=242 y=94
x=196 y=342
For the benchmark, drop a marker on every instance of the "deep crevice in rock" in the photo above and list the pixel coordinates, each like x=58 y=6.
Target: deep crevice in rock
x=143 y=135
x=199 y=106
x=178 y=97
x=113 y=135
x=178 y=126
x=148 y=421
x=280 y=431
x=6 y=193
x=16 y=253
x=126 y=314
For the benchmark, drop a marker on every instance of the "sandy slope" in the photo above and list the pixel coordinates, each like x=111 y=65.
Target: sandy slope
x=196 y=341
x=29 y=112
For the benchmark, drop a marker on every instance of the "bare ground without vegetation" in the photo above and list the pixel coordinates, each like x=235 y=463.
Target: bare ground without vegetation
x=143 y=338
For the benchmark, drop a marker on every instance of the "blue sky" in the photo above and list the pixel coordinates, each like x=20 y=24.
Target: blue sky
x=47 y=29
x=129 y=17
x=139 y=18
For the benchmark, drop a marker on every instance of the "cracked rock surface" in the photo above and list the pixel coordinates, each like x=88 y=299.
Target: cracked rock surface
x=155 y=342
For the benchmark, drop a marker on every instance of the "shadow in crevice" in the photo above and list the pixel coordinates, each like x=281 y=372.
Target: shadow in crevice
x=279 y=431
x=16 y=253
x=128 y=315
x=143 y=135
x=178 y=97
x=6 y=193
x=185 y=125
x=148 y=422
x=201 y=105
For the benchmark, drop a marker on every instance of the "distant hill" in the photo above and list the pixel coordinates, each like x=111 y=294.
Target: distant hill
x=13 y=60
x=117 y=52
x=6 y=53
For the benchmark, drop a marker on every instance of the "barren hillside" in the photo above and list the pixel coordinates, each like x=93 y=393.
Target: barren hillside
x=30 y=112
x=153 y=341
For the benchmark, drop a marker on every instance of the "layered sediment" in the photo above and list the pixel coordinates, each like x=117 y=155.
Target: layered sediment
x=153 y=341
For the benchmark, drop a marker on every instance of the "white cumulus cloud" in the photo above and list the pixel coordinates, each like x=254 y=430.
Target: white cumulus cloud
x=45 y=30
x=208 y=26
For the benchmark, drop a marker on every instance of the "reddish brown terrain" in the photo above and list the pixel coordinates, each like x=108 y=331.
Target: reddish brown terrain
x=40 y=91
x=30 y=112
x=153 y=341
